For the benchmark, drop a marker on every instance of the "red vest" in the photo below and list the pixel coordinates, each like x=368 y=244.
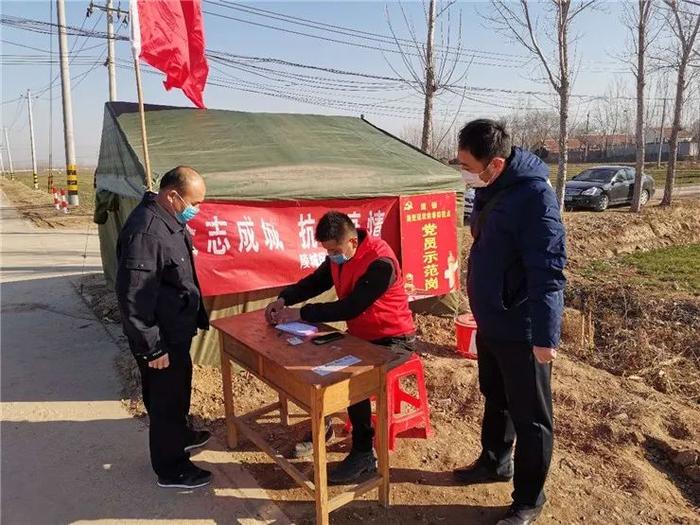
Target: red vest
x=389 y=316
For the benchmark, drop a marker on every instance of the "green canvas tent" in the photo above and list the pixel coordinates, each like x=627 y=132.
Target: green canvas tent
x=252 y=157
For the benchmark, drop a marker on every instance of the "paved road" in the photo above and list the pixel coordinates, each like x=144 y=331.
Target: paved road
x=679 y=191
x=70 y=451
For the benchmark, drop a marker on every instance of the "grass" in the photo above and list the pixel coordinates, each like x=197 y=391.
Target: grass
x=86 y=194
x=676 y=268
x=686 y=173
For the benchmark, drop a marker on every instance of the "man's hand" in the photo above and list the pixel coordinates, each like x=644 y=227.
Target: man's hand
x=273 y=311
x=160 y=363
x=290 y=315
x=544 y=355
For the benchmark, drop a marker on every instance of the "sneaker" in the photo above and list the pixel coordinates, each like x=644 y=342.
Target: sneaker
x=520 y=515
x=199 y=439
x=484 y=471
x=353 y=467
x=305 y=448
x=192 y=479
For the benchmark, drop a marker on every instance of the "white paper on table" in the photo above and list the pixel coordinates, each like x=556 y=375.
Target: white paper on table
x=297 y=328
x=336 y=366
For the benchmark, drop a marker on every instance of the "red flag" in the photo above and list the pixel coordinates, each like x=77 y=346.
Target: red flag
x=169 y=35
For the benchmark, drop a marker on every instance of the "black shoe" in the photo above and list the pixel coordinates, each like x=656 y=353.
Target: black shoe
x=191 y=479
x=520 y=515
x=305 y=448
x=353 y=467
x=484 y=471
x=199 y=439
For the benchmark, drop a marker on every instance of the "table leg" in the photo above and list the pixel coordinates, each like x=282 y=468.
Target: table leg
x=382 y=441
x=318 y=430
x=284 y=409
x=229 y=410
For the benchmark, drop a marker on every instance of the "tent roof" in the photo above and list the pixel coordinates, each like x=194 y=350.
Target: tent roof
x=265 y=156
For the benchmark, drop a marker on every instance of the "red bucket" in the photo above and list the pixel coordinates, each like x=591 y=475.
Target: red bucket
x=465 y=326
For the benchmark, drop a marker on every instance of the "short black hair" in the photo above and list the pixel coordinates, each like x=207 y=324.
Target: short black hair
x=334 y=226
x=485 y=139
x=178 y=178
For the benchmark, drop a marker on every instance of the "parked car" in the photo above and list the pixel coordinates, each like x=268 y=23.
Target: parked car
x=469 y=195
x=603 y=186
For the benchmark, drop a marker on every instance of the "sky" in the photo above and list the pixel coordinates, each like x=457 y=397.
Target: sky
x=499 y=63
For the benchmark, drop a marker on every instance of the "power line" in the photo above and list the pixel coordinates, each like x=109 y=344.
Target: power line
x=4 y=41
x=348 y=43
x=240 y=62
x=469 y=53
x=352 y=32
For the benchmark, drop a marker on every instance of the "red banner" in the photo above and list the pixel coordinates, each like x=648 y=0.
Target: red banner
x=240 y=247
x=429 y=244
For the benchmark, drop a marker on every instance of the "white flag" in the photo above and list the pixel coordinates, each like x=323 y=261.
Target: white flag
x=135 y=35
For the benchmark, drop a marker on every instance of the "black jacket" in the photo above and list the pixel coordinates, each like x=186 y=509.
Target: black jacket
x=516 y=267
x=157 y=289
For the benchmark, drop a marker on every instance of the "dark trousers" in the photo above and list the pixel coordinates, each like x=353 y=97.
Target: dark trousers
x=166 y=395
x=518 y=404
x=361 y=413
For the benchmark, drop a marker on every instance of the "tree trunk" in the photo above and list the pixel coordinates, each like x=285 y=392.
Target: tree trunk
x=673 y=141
x=641 y=81
x=564 y=87
x=563 y=142
x=426 y=140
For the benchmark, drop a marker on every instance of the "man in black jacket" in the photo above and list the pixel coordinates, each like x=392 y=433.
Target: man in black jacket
x=515 y=283
x=161 y=308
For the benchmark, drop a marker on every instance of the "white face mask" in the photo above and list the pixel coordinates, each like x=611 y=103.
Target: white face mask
x=472 y=179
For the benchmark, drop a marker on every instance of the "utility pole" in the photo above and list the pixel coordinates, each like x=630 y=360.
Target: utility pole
x=661 y=134
x=9 y=156
x=71 y=168
x=426 y=140
x=110 y=13
x=31 y=140
x=111 y=66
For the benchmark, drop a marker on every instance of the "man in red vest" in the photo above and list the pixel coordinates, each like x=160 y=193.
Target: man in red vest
x=372 y=300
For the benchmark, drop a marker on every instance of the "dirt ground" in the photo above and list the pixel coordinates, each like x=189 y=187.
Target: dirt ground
x=38 y=207
x=627 y=449
x=624 y=452
x=627 y=428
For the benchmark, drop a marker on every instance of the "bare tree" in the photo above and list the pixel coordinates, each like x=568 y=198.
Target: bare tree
x=684 y=24
x=638 y=18
x=443 y=139
x=609 y=113
x=519 y=21
x=438 y=67
x=535 y=127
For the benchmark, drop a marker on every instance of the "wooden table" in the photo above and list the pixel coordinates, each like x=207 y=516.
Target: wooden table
x=249 y=341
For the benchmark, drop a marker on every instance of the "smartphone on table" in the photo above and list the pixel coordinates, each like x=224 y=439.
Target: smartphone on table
x=327 y=338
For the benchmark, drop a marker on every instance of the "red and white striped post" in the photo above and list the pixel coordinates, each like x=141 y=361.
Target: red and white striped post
x=56 y=199
x=64 y=201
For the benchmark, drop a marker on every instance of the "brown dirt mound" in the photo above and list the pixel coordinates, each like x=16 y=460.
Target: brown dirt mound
x=37 y=206
x=644 y=334
x=593 y=235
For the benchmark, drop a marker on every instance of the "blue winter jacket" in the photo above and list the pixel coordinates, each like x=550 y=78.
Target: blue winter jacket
x=515 y=276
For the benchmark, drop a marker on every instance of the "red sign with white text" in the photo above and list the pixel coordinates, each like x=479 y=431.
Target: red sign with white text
x=429 y=244
x=240 y=247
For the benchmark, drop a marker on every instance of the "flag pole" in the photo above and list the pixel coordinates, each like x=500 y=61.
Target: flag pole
x=142 y=114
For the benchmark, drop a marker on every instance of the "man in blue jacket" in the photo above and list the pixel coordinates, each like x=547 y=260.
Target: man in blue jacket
x=515 y=284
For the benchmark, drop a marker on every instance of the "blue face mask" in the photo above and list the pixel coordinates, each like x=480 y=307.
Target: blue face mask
x=186 y=215
x=339 y=258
